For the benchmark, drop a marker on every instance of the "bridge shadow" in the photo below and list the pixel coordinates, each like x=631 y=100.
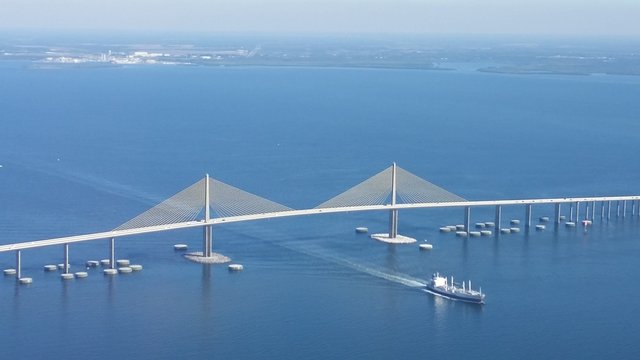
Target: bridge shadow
x=207 y=290
x=392 y=258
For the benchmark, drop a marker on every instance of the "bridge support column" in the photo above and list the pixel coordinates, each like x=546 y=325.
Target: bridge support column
x=608 y=209
x=527 y=216
x=624 y=208
x=602 y=210
x=593 y=211
x=557 y=217
x=66 y=258
x=467 y=219
x=112 y=253
x=570 y=211
x=577 y=211
x=633 y=207
x=393 y=224
x=498 y=218
x=207 y=243
x=18 y=264
x=587 y=210
x=618 y=208
x=205 y=240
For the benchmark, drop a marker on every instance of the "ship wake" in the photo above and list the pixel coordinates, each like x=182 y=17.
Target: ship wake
x=397 y=277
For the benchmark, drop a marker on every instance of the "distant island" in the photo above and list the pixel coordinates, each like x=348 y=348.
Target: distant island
x=494 y=55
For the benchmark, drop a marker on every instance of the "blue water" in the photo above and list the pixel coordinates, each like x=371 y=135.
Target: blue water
x=85 y=150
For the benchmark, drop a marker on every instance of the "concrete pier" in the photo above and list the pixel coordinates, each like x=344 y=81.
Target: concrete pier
x=557 y=216
x=587 y=211
x=577 y=211
x=593 y=210
x=67 y=276
x=123 y=262
x=112 y=253
x=198 y=257
x=18 y=264
x=66 y=259
x=498 y=219
x=608 y=210
x=467 y=218
x=527 y=216
x=624 y=208
x=618 y=208
x=207 y=240
x=136 y=267
x=50 y=268
x=393 y=223
x=571 y=212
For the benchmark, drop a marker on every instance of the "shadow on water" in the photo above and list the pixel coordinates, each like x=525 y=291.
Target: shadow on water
x=555 y=238
x=98 y=183
x=465 y=251
x=111 y=290
x=525 y=245
x=496 y=246
x=391 y=261
x=392 y=258
x=207 y=300
x=442 y=309
x=390 y=271
x=16 y=296
x=64 y=292
x=66 y=307
x=340 y=259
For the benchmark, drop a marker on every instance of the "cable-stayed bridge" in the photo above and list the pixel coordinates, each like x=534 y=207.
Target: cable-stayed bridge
x=210 y=202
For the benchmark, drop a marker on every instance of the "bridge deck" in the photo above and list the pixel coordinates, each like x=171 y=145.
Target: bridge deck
x=231 y=219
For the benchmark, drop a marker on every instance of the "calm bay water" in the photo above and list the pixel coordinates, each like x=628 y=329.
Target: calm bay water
x=84 y=150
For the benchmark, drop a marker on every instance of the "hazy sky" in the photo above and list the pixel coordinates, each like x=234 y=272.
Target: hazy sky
x=567 y=17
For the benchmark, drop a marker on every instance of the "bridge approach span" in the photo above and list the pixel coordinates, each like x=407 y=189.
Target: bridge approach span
x=304 y=212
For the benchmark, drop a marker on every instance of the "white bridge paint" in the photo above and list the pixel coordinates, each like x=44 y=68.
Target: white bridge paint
x=232 y=219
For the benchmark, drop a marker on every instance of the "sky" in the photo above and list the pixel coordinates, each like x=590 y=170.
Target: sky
x=547 y=17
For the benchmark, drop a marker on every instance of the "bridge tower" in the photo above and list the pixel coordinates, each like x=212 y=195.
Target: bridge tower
x=393 y=214
x=207 y=229
x=392 y=236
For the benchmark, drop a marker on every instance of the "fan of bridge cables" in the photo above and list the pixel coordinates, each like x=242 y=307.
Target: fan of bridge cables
x=377 y=191
x=188 y=205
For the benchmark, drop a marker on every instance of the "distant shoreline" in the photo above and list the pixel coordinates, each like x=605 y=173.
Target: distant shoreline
x=497 y=56
x=488 y=70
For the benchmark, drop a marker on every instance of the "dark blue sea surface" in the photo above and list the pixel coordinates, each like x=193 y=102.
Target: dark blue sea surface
x=86 y=149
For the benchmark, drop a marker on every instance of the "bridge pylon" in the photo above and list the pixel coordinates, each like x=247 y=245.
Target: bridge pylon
x=393 y=214
x=207 y=229
x=392 y=236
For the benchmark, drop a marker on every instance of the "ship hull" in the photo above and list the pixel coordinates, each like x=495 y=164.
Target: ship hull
x=454 y=296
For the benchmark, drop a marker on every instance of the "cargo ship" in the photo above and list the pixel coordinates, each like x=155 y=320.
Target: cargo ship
x=439 y=285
